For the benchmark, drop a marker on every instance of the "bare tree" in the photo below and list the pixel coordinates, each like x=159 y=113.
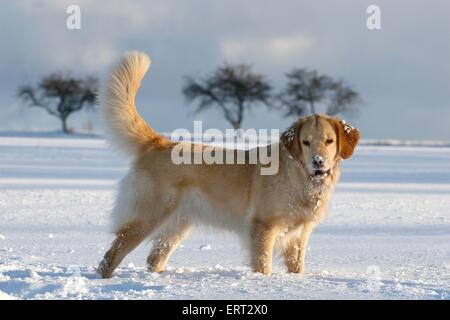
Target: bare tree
x=342 y=99
x=232 y=88
x=61 y=95
x=306 y=89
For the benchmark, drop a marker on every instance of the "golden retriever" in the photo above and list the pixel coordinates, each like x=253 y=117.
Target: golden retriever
x=163 y=201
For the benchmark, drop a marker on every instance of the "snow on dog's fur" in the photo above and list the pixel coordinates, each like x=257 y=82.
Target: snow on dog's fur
x=160 y=200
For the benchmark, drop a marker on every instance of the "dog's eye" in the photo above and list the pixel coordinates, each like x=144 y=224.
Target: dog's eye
x=306 y=143
x=329 y=141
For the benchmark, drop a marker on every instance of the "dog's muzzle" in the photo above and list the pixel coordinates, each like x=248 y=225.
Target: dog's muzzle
x=318 y=164
x=320 y=174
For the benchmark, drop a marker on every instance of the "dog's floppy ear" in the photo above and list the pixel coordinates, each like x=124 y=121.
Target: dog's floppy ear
x=289 y=139
x=348 y=137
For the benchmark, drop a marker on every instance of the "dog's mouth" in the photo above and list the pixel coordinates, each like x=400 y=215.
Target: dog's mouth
x=321 y=174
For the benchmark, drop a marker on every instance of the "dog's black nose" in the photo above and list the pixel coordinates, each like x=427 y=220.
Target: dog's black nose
x=318 y=161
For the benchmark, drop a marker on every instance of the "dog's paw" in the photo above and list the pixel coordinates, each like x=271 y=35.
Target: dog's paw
x=103 y=269
x=264 y=270
x=296 y=269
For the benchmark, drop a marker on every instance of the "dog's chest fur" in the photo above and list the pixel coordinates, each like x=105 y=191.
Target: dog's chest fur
x=306 y=203
x=302 y=200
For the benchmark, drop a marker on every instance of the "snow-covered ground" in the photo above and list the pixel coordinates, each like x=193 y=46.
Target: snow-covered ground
x=387 y=234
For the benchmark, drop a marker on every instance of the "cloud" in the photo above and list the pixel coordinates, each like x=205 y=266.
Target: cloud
x=270 y=48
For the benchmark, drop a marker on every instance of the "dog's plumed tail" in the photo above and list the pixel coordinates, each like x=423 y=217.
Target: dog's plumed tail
x=125 y=129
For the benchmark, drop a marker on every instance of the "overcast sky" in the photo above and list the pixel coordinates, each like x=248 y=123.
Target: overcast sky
x=402 y=71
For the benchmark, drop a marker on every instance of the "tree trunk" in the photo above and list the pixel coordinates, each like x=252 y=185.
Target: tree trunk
x=238 y=123
x=239 y=132
x=64 y=125
x=313 y=108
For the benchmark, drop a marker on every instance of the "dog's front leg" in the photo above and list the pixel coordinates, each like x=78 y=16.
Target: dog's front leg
x=295 y=250
x=263 y=240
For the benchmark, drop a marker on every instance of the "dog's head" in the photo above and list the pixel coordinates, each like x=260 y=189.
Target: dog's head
x=318 y=142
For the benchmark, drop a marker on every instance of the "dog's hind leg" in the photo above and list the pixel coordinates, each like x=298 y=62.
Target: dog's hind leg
x=166 y=243
x=131 y=234
x=127 y=239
